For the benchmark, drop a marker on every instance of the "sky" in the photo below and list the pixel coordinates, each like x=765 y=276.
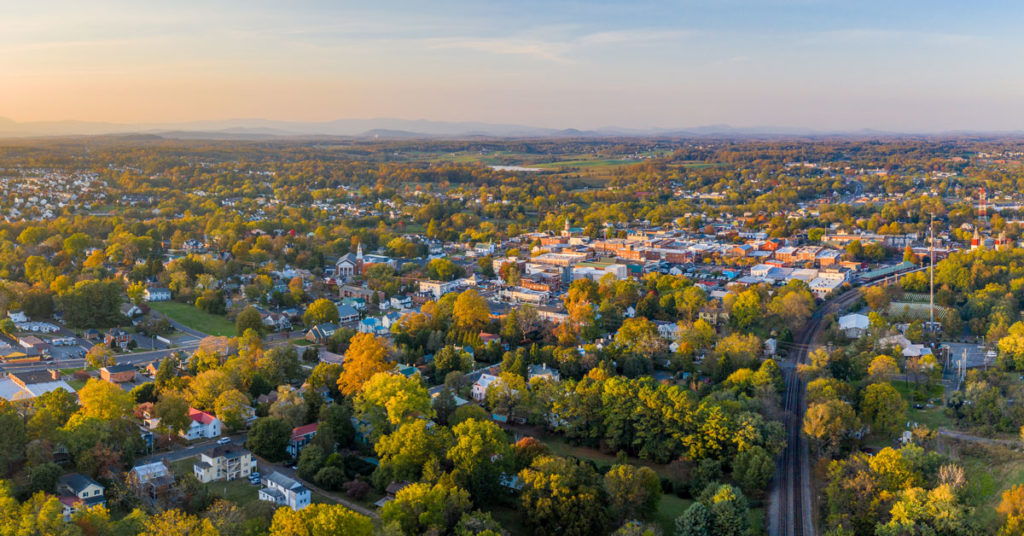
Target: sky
x=901 y=65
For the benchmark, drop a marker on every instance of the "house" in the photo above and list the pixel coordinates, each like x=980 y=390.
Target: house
x=33 y=344
x=389 y=320
x=854 y=325
x=223 y=462
x=117 y=336
x=276 y=321
x=320 y=333
x=157 y=294
x=301 y=437
x=284 y=491
x=401 y=302
x=118 y=373
x=77 y=491
x=203 y=425
x=347 y=314
x=667 y=330
x=371 y=325
x=17 y=316
x=150 y=480
x=92 y=334
x=479 y=389
x=542 y=371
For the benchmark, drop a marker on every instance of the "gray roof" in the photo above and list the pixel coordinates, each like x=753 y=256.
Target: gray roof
x=77 y=482
x=284 y=481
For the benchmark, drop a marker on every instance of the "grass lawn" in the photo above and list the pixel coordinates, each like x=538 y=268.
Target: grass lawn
x=669 y=509
x=934 y=418
x=195 y=319
x=990 y=471
x=910 y=392
x=76 y=384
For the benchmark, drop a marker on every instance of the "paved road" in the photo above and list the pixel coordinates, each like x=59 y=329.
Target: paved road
x=183 y=452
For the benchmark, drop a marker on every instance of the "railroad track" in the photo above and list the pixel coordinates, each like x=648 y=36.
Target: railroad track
x=791 y=509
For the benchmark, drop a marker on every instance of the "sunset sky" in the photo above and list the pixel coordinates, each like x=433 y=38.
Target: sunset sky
x=905 y=65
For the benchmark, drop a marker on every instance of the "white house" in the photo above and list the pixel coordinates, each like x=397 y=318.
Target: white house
x=77 y=491
x=17 y=316
x=284 y=491
x=157 y=294
x=203 y=425
x=854 y=325
x=542 y=371
x=401 y=302
x=479 y=390
x=668 y=330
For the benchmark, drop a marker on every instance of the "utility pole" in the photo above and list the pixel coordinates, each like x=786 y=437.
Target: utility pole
x=931 y=272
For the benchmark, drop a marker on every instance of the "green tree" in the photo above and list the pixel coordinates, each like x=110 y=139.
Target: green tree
x=248 y=319
x=481 y=453
x=562 y=496
x=753 y=469
x=633 y=492
x=424 y=509
x=269 y=438
x=884 y=408
x=231 y=408
x=404 y=452
x=173 y=411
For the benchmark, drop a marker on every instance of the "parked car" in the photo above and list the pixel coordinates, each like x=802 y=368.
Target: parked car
x=224 y=441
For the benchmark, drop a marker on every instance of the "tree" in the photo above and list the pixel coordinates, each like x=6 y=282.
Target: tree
x=882 y=367
x=729 y=512
x=640 y=336
x=207 y=386
x=366 y=356
x=697 y=520
x=104 y=401
x=877 y=298
x=178 y=523
x=320 y=520
x=442 y=269
x=404 y=452
x=423 y=509
x=828 y=423
x=44 y=477
x=92 y=303
x=884 y=408
x=479 y=523
x=389 y=400
x=325 y=374
x=633 y=492
x=100 y=355
x=470 y=312
x=248 y=319
x=231 y=408
x=173 y=412
x=481 y=453
x=269 y=438
x=320 y=311
x=753 y=469
x=562 y=496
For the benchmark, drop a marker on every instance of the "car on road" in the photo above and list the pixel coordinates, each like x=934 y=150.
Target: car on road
x=224 y=441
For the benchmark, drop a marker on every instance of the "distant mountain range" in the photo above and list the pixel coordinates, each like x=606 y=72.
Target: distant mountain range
x=389 y=128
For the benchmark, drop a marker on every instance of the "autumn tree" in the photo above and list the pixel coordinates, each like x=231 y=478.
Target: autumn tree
x=883 y=407
x=480 y=454
x=420 y=508
x=320 y=520
x=231 y=408
x=470 y=312
x=389 y=400
x=104 y=400
x=100 y=355
x=633 y=492
x=320 y=311
x=367 y=355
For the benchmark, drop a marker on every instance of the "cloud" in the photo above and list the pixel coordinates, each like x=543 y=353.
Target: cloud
x=564 y=50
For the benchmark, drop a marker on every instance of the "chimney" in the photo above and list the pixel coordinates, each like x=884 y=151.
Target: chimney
x=55 y=374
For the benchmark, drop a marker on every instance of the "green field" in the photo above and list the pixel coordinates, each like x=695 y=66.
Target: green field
x=195 y=319
x=990 y=471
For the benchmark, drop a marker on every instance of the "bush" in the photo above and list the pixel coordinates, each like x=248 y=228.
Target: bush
x=331 y=478
x=357 y=489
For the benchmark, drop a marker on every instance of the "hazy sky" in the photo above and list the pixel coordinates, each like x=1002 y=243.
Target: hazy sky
x=898 y=64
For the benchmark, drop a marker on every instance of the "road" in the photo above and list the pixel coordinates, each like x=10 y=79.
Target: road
x=791 y=510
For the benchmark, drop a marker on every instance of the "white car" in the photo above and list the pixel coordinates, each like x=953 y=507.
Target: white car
x=224 y=441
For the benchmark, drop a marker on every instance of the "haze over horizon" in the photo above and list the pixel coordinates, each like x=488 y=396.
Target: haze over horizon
x=815 y=64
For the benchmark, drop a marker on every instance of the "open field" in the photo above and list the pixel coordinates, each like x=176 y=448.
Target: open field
x=195 y=319
x=991 y=470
